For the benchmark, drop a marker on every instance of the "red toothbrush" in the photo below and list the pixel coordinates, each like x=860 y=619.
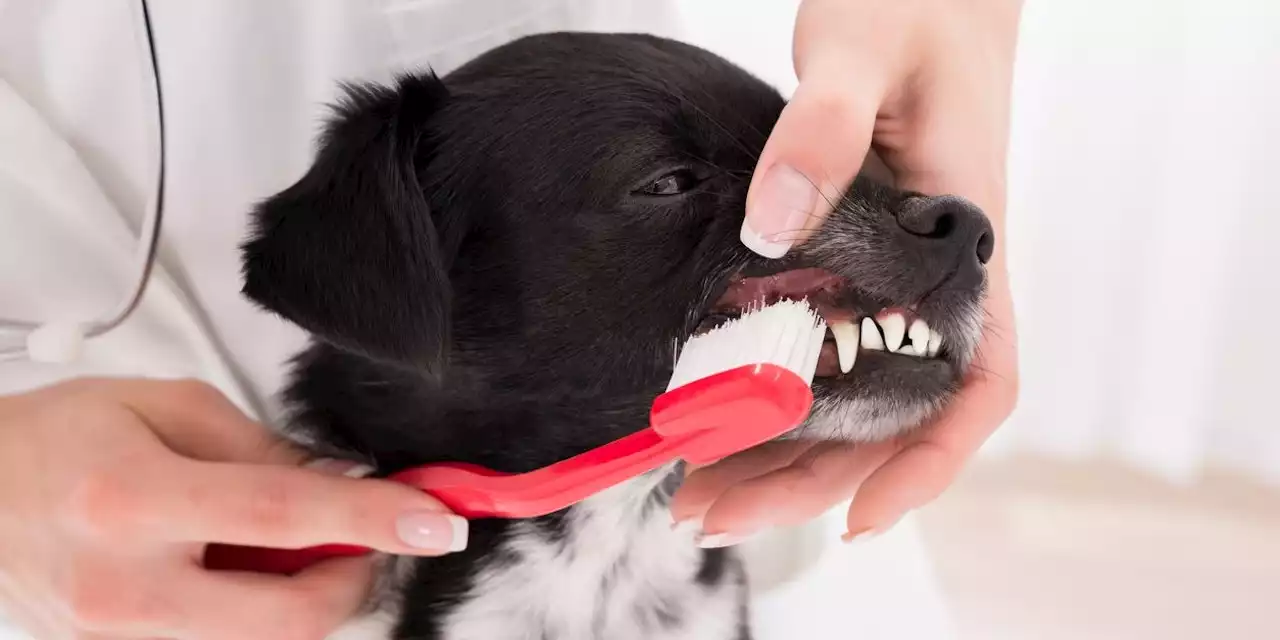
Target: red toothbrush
x=739 y=385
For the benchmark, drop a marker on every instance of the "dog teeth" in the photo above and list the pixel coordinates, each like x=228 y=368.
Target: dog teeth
x=846 y=335
x=935 y=343
x=889 y=334
x=919 y=334
x=895 y=329
x=871 y=335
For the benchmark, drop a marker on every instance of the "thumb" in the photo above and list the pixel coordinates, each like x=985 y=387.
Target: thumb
x=814 y=151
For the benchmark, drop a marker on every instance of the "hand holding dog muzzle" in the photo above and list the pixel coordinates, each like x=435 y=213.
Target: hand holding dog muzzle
x=926 y=86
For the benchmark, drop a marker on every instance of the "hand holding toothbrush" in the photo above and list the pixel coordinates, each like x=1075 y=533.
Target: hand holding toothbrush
x=108 y=488
x=927 y=86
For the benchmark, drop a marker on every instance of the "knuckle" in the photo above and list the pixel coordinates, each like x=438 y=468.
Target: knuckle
x=79 y=386
x=85 y=384
x=269 y=510
x=94 y=608
x=194 y=391
x=101 y=504
x=838 y=109
x=97 y=602
x=76 y=399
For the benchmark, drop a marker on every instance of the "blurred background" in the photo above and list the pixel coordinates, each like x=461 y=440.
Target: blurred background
x=1135 y=493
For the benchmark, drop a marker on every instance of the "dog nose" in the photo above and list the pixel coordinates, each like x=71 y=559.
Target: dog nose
x=952 y=234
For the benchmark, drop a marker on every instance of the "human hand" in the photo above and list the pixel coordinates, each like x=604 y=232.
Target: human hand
x=925 y=84
x=110 y=490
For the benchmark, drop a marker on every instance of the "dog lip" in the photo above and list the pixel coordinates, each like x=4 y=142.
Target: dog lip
x=759 y=268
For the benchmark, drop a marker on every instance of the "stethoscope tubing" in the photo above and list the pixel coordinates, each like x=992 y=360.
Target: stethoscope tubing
x=149 y=240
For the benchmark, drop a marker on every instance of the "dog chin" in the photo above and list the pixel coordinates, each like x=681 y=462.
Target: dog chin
x=862 y=420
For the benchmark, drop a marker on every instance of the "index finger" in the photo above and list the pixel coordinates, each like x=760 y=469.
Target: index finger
x=276 y=506
x=826 y=475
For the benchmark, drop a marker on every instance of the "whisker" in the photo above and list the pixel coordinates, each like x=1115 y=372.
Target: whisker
x=743 y=121
x=739 y=143
x=742 y=146
x=818 y=189
x=995 y=330
x=988 y=372
x=706 y=161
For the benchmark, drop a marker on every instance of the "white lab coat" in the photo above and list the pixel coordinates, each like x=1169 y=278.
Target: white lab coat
x=244 y=82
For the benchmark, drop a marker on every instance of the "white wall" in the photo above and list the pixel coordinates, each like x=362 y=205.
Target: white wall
x=1142 y=215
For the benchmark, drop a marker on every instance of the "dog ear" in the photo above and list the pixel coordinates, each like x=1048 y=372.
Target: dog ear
x=350 y=251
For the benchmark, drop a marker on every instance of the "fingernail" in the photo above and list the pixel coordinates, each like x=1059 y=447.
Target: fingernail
x=434 y=531
x=861 y=535
x=778 y=212
x=336 y=467
x=717 y=540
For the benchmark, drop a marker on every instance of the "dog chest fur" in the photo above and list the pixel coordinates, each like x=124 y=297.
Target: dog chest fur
x=617 y=570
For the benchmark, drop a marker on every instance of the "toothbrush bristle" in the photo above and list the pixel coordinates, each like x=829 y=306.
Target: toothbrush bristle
x=788 y=333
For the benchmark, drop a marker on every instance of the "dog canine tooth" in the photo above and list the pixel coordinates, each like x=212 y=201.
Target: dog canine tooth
x=846 y=335
x=871 y=335
x=935 y=343
x=919 y=334
x=913 y=350
x=895 y=329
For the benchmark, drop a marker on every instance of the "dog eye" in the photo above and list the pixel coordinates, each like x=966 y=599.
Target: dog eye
x=671 y=184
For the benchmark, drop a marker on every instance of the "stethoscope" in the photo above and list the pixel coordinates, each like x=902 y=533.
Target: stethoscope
x=60 y=342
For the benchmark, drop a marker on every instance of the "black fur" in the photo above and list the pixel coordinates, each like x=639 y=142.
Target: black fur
x=491 y=278
x=356 y=228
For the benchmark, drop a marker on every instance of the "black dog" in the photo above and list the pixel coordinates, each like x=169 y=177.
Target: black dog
x=495 y=266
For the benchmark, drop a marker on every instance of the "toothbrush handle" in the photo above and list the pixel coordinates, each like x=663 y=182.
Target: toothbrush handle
x=699 y=422
x=474 y=492
x=228 y=557
x=464 y=500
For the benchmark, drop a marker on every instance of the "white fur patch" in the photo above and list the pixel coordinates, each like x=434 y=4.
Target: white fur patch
x=615 y=573
x=384 y=604
x=862 y=420
x=376 y=626
x=620 y=573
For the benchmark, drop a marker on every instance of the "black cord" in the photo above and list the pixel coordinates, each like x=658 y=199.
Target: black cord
x=148 y=235
x=144 y=276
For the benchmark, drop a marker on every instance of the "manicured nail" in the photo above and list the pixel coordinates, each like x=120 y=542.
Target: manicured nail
x=783 y=203
x=861 y=535
x=432 y=530
x=717 y=540
x=336 y=467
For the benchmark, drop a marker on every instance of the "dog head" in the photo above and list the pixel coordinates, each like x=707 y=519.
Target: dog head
x=555 y=215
